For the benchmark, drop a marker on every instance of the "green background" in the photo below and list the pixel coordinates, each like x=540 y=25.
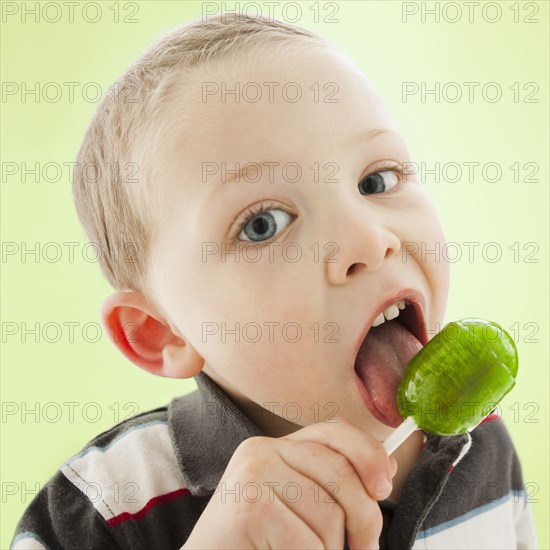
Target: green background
x=510 y=291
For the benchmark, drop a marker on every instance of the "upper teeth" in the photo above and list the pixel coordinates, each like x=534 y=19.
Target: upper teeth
x=390 y=312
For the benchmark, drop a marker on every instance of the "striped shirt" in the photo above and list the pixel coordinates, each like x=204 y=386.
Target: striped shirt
x=143 y=484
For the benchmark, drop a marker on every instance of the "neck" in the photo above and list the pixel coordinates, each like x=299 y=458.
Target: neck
x=270 y=424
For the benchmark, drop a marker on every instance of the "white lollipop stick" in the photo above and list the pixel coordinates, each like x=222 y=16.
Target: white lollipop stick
x=401 y=433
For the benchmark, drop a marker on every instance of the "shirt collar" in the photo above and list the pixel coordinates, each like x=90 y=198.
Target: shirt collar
x=206 y=428
x=423 y=487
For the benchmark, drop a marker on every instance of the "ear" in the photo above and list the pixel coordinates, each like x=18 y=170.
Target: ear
x=142 y=335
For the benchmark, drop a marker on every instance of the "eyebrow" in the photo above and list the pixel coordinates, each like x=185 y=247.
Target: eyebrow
x=371 y=134
x=363 y=136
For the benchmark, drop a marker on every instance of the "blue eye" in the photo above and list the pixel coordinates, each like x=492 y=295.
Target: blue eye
x=378 y=182
x=263 y=224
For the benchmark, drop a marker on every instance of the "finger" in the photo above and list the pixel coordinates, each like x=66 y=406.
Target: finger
x=286 y=529
x=393 y=464
x=311 y=502
x=362 y=516
x=269 y=478
x=368 y=456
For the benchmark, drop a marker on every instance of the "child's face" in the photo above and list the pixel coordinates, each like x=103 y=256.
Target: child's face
x=299 y=321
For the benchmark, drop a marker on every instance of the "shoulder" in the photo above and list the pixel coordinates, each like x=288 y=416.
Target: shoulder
x=123 y=469
x=482 y=501
x=493 y=454
x=489 y=474
x=158 y=415
x=119 y=475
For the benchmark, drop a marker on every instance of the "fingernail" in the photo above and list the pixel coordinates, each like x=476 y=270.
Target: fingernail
x=382 y=486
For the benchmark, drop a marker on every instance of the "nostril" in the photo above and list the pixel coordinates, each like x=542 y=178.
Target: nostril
x=353 y=268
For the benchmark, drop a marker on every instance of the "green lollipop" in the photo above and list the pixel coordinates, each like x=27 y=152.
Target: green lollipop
x=455 y=380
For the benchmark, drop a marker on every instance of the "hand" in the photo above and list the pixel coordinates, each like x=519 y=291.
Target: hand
x=299 y=491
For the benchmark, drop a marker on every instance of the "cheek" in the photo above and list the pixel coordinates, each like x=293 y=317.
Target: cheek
x=428 y=238
x=426 y=227
x=256 y=284
x=439 y=264
x=238 y=325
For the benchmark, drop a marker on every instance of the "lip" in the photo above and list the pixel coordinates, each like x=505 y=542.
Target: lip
x=417 y=301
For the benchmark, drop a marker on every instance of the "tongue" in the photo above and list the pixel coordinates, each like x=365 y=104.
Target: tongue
x=380 y=364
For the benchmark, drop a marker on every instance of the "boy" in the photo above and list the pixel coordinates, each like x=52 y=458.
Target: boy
x=297 y=339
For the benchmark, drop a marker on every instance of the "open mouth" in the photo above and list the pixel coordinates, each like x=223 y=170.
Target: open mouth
x=396 y=334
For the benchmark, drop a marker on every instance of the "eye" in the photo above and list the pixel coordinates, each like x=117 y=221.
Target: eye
x=379 y=182
x=262 y=224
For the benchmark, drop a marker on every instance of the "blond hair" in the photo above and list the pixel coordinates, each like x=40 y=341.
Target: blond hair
x=115 y=172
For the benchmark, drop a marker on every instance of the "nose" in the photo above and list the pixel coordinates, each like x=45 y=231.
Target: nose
x=364 y=241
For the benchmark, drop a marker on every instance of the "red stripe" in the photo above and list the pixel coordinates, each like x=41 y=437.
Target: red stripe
x=490 y=418
x=153 y=502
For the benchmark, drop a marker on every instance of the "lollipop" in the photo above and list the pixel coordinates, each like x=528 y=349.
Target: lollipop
x=455 y=380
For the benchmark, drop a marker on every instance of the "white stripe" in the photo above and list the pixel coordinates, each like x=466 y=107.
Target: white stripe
x=491 y=529
x=465 y=448
x=124 y=476
x=28 y=541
